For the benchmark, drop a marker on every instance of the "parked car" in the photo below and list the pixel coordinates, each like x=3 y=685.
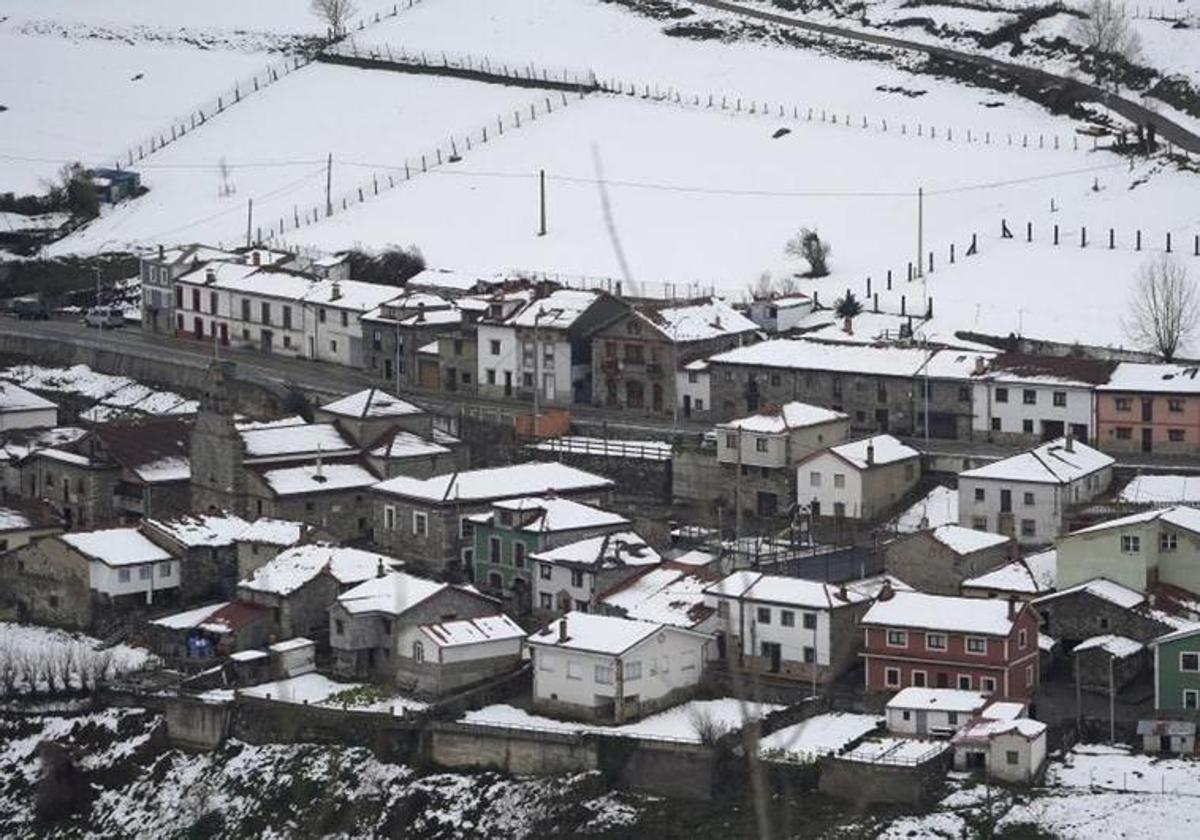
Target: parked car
x=104 y=317
x=31 y=310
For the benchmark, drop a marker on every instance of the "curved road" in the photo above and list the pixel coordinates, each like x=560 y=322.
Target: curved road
x=1078 y=90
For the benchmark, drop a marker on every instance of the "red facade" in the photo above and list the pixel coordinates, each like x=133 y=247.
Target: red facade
x=1003 y=665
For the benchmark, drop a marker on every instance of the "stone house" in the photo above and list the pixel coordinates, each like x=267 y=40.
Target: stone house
x=394 y=332
x=458 y=361
x=1139 y=551
x=787 y=627
x=940 y=559
x=367 y=621
x=47 y=582
x=1108 y=660
x=1029 y=496
x=211 y=631
x=613 y=670
x=366 y=416
x=1149 y=408
x=264 y=538
x=217 y=450
x=758 y=454
x=882 y=389
x=1177 y=672
x=1101 y=607
x=301 y=583
x=574 y=576
x=333 y=496
x=427 y=522
x=23 y=522
x=206 y=545
x=637 y=355
x=445 y=657
x=1025 y=578
x=861 y=479
x=514 y=530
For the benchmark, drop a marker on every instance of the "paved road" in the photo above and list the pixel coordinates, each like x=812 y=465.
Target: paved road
x=1166 y=128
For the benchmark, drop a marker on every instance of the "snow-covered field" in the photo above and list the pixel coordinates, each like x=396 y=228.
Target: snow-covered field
x=318 y=690
x=44 y=660
x=817 y=736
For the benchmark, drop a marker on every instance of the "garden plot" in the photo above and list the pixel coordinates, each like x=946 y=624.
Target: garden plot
x=275 y=146
x=616 y=43
x=86 y=100
x=40 y=660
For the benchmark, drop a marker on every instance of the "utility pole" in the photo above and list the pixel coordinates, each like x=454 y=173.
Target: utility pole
x=249 y=221
x=542 y=196
x=97 y=301
x=537 y=385
x=921 y=232
x=737 y=491
x=329 y=185
x=1112 y=703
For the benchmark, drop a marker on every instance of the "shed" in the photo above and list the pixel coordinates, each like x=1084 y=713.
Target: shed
x=1167 y=736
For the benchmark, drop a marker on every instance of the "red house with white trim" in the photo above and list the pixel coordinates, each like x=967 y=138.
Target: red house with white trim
x=943 y=641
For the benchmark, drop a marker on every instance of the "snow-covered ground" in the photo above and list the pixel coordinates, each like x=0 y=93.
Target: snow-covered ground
x=817 y=736
x=680 y=723
x=1096 y=766
x=42 y=659
x=318 y=690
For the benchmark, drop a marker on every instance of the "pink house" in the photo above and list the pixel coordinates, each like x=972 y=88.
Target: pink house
x=1149 y=408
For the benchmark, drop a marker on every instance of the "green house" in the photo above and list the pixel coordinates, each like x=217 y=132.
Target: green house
x=514 y=529
x=1177 y=671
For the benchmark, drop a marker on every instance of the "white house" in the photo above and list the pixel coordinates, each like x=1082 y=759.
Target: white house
x=780 y=314
x=1011 y=750
x=444 y=656
x=797 y=628
x=1026 y=398
x=497 y=346
x=22 y=409
x=861 y=479
x=611 y=669
x=122 y=561
x=573 y=576
x=779 y=436
x=933 y=711
x=334 y=309
x=693 y=386
x=1027 y=495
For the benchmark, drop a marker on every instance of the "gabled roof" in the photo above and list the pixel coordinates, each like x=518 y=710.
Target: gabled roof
x=1102 y=588
x=1050 y=463
x=962 y=540
x=473 y=631
x=1161 y=489
x=696 y=321
x=205 y=529
x=15 y=398
x=371 y=403
x=301 y=440
x=395 y=594
x=325 y=478
x=1062 y=370
x=938 y=699
x=666 y=594
x=558 y=310
x=1154 y=378
x=116 y=546
x=591 y=633
x=880 y=449
x=1187 y=518
x=610 y=551
x=270 y=531
x=1031 y=575
x=950 y=613
x=159 y=447
x=551 y=514
x=791 y=591
x=775 y=419
x=293 y=568
x=528 y=479
x=402 y=444
x=1120 y=647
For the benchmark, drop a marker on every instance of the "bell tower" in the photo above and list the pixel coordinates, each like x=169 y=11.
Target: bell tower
x=217 y=451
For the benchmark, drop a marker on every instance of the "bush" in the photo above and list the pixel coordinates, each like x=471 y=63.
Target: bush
x=808 y=245
x=392 y=266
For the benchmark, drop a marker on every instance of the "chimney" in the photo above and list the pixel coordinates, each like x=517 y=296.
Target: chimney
x=255 y=258
x=210 y=276
x=1014 y=550
x=870 y=453
x=562 y=630
x=420 y=311
x=885 y=592
x=923 y=525
x=337 y=291
x=1070 y=441
x=379 y=572
x=848 y=325
x=980 y=365
x=161 y=252
x=1012 y=608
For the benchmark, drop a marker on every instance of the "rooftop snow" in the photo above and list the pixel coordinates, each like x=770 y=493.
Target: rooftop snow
x=817 y=736
x=663 y=595
x=201 y=529
x=1161 y=489
x=190 y=618
x=294 y=441
x=1155 y=378
x=793 y=415
x=14 y=520
x=350 y=294
x=14 y=398
x=777 y=589
x=558 y=310
x=116 y=546
x=269 y=531
x=170 y=468
x=1050 y=463
x=593 y=633
x=948 y=699
x=798 y=354
x=1187 y=518
x=623 y=548
x=1032 y=575
x=288 y=645
x=938 y=507
x=700 y=321
x=983 y=730
x=886 y=450
x=472 y=631
x=556 y=514
x=294 y=567
x=392 y=594
x=966 y=540
x=1102 y=588
x=371 y=403
x=407 y=445
x=529 y=479
x=918 y=610
x=1118 y=646
x=310 y=478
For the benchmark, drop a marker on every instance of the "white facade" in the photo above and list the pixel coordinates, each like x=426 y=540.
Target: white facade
x=23 y=409
x=832 y=483
x=498 y=358
x=805 y=640
x=412 y=635
x=936 y=711
x=780 y=314
x=509 y=359
x=693 y=389
x=333 y=315
x=134 y=578
x=551 y=579
x=1015 y=407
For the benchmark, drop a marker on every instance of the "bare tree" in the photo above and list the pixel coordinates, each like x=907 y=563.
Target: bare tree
x=335 y=13
x=1164 y=310
x=763 y=288
x=1107 y=32
x=808 y=245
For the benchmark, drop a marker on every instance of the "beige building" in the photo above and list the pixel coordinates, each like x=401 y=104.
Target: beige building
x=1138 y=551
x=862 y=479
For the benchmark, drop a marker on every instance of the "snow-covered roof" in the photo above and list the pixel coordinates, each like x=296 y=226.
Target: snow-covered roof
x=311 y=478
x=790 y=591
x=299 y=440
x=1161 y=489
x=189 y=618
x=551 y=513
x=883 y=449
x=528 y=479
x=194 y=530
x=294 y=567
x=371 y=403
x=962 y=540
x=1050 y=463
x=938 y=699
x=116 y=546
x=938 y=507
x=695 y=557
x=1187 y=518
x=166 y=469
x=1060 y=371
x=1118 y=646
x=455 y=281
x=985 y=729
x=392 y=594
x=918 y=610
x=870 y=587
x=779 y=419
x=623 y=548
x=288 y=645
x=699 y=321
x=1102 y=588
x=593 y=633
x=1031 y=575
x=558 y=310
x=270 y=531
x=1164 y=379
x=663 y=595
x=14 y=398
x=12 y=519
x=799 y=354
x=350 y=294
x=472 y=631
x=404 y=444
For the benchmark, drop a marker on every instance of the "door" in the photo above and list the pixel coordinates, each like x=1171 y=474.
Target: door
x=772 y=652
x=225 y=334
x=265 y=340
x=1079 y=431
x=1006 y=501
x=1052 y=429
x=721 y=646
x=687 y=405
x=882 y=419
x=922 y=721
x=548 y=387
x=198 y=328
x=1147 y=411
x=508 y=383
x=1164 y=743
x=657 y=396
x=1147 y=440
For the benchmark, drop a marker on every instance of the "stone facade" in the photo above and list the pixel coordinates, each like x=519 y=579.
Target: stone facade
x=302 y=612
x=343 y=514
x=929 y=565
x=47 y=582
x=1071 y=617
x=219 y=479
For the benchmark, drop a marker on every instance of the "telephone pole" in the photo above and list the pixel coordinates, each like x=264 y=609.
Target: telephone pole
x=921 y=232
x=542 y=197
x=249 y=221
x=329 y=185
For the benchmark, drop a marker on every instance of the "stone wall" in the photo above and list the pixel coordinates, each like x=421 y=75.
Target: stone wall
x=635 y=478
x=931 y=566
x=46 y=582
x=192 y=724
x=457 y=746
x=1080 y=615
x=864 y=784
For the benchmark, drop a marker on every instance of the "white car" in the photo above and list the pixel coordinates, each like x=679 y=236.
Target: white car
x=104 y=317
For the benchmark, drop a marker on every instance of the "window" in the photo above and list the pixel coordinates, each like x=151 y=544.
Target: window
x=979 y=494
x=545 y=661
x=996 y=424
x=1027 y=426
x=1103 y=622
x=764 y=615
x=122 y=575
x=809 y=620
x=964 y=393
x=891 y=677
x=1028 y=675
x=1189 y=661
x=987 y=685
x=494 y=550
x=1001 y=395
x=787 y=618
x=1022 y=638
x=604 y=674
x=693 y=377
x=333 y=345
x=839 y=510
x=919 y=678
x=544 y=571
x=897 y=638
x=545 y=602
x=1029 y=396
x=287 y=317
x=1124 y=404
x=389 y=517
x=1175 y=406
x=339 y=626
x=1028 y=528
x=345 y=318
x=964 y=682
x=814 y=479
x=839 y=480
x=760 y=444
x=1167 y=542
x=490 y=376
x=494 y=347
x=577 y=578
x=1175 y=435
x=633 y=670
x=418 y=652
x=1124 y=433
x=810 y=655
x=519 y=555
x=935 y=641
x=1131 y=544
x=321 y=315
x=420 y=524
x=1028 y=499
x=266 y=313
x=1191 y=698
x=731 y=441
x=164 y=570
x=145 y=572
x=574 y=670
x=1012 y=758
x=976 y=645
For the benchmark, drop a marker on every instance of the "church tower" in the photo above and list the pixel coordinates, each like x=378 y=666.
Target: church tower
x=218 y=473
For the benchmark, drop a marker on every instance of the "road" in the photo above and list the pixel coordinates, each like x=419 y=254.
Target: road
x=1167 y=129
